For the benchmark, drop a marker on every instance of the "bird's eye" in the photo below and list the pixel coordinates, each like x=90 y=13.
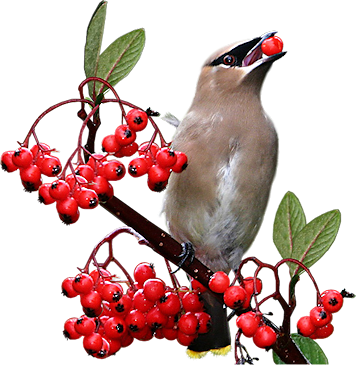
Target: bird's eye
x=229 y=60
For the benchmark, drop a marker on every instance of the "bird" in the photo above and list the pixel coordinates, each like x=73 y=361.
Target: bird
x=217 y=204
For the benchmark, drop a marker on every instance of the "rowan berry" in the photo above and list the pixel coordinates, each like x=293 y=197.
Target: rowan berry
x=235 y=296
x=188 y=323
x=128 y=150
x=110 y=144
x=85 y=325
x=320 y=317
x=69 y=218
x=137 y=119
x=124 y=135
x=43 y=194
x=135 y=320
x=170 y=333
x=87 y=198
x=148 y=149
x=42 y=147
x=104 y=351
x=50 y=165
x=158 y=174
x=69 y=331
x=111 y=292
x=169 y=304
x=92 y=343
x=305 y=326
x=6 y=162
x=248 y=323
x=22 y=157
x=67 y=288
x=181 y=163
x=156 y=319
x=126 y=340
x=115 y=327
x=138 y=167
x=184 y=339
x=96 y=161
x=100 y=274
x=91 y=301
x=144 y=271
x=219 y=282
x=248 y=284
x=265 y=336
x=204 y=320
x=59 y=190
x=140 y=301
x=157 y=186
x=85 y=171
x=166 y=157
x=122 y=307
x=115 y=345
x=103 y=188
x=192 y=302
x=272 y=45
x=324 y=332
x=200 y=288
x=114 y=170
x=332 y=300
x=83 y=283
x=154 y=289
x=31 y=177
x=68 y=206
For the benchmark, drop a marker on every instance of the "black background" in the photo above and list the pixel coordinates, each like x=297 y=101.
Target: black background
x=308 y=94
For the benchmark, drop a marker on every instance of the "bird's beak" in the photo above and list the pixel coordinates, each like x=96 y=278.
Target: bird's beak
x=255 y=55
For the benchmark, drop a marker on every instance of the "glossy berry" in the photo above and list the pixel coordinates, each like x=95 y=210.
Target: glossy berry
x=22 y=157
x=68 y=206
x=196 y=285
x=166 y=157
x=85 y=171
x=69 y=218
x=87 y=198
x=83 y=283
x=156 y=319
x=115 y=345
x=103 y=188
x=43 y=194
x=110 y=144
x=85 y=325
x=157 y=186
x=219 y=282
x=50 y=165
x=158 y=174
x=154 y=289
x=324 y=332
x=6 y=162
x=137 y=119
x=59 y=190
x=264 y=337
x=147 y=149
x=169 y=304
x=92 y=343
x=184 y=339
x=135 y=320
x=305 y=326
x=272 y=45
x=128 y=150
x=42 y=148
x=30 y=175
x=96 y=161
x=122 y=307
x=248 y=323
x=191 y=302
x=31 y=186
x=143 y=272
x=138 y=167
x=115 y=328
x=181 y=163
x=140 y=301
x=67 y=288
x=332 y=300
x=124 y=135
x=113 y=170
x=235 y=296
x=91 y=301
x=248 y=284
x=104 y=351
x=204 y=322
x=188 y=323
x=320 y=317
x=111 y=292
x=69 y=331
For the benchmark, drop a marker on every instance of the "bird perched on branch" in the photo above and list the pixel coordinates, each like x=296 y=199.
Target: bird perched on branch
x=218 y=203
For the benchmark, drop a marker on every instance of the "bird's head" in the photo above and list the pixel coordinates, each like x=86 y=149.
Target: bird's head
x=241 y=63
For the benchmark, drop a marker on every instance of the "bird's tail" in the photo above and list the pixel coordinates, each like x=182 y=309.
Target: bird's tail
x=218 y=339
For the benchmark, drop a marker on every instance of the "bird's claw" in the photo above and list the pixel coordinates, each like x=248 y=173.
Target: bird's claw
x=188 y=253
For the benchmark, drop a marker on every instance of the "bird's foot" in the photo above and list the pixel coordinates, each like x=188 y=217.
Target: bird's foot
x=188 y=253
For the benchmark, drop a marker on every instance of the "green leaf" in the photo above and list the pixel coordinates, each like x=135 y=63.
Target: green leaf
x=93 y=42
x=120 y=57
x=289 y=220
x=311 y=350
x=311 y=243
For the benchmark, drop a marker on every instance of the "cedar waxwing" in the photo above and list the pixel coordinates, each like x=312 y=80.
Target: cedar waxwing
x=217 y=204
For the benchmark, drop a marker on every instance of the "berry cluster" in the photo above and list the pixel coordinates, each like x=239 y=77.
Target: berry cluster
x=113 y=319
x=318 y=324
x=90 y=183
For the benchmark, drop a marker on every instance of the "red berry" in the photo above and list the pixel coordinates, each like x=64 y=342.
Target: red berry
x=124 y=135
x=192 y=302
x=50 y=165
x=157 y=186
x=115 y=328
x=100 y=273
x=85 y=171
x=146 y=149
x=332 y=300
x=83 y=283
x=30 y=175
x=42 y=148
x=128 y=150
x=111 y=292
x=325 y=331
x=169 y=304
x=248 y=323
x=103 y=188
x=320 y=317
x=188 y=323
x=115 y=345
x=59 y=190
x=170 y=334
x=138 y=167
x=204 y=320
x=114 y=170
x=143 y=272
x=200 y=288
x=140 y=301
x=264 y=336
x=248 y=284
x=43 y=194
x=154 y=289
x=158 y=174
x=67 y=288
x=219 y=282
x=85 y=325
x=6 y=162
x=135 y=320
x=87 y=198
x=272 y=45
x=137 y=119
x=68 y=206
x=184 y=339
x=166 y=157
x=96 y=161
x=91 y=301
x=92 y=343
x=110 y=144
x=235 y=296
x=74 y=180
x=156 y=319
x=305 y=326
x=104 y=351
x=181 y=163
x=122 y=307
x=69 y=330
x=69 y=218
x=22 y=157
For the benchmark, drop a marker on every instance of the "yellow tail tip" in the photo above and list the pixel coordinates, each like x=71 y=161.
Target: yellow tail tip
x=222 y=351
x=196 y=354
